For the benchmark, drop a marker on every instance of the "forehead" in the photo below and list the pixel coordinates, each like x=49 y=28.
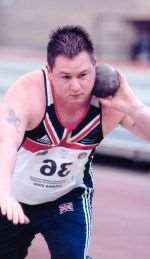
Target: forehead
x=80 y=62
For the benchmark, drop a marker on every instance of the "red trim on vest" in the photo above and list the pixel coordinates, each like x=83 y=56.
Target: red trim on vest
x=85 y=131
x=50 y=131
x=33 y=146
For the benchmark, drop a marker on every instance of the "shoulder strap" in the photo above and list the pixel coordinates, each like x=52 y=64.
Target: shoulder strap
x=47 y=86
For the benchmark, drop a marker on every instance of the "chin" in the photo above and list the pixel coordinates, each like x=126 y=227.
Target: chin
x=77 y=99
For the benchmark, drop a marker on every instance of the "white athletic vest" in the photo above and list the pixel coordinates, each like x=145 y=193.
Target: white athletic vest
x=52 y=161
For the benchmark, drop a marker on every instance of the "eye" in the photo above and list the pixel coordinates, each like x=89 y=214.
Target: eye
x=82 y=75
x=66 y=77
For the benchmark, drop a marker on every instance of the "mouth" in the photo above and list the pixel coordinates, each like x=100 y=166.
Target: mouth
x=75 y=95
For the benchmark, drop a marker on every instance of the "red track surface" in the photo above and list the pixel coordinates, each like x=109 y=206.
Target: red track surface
x=21 y=55
x=121 y=222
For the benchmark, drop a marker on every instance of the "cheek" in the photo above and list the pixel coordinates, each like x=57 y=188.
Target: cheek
x=92 y=80
x=57 y=84
x=90 y=83
x=61 y=89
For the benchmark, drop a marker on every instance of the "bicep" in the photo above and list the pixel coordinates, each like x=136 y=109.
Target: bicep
x=13 y=119
x=18 y=108
x=12 y=126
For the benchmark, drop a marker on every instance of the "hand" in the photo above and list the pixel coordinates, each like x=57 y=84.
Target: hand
x=124 y=99
x=12 y=210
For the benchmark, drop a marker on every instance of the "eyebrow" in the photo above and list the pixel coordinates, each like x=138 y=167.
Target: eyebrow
x=68 y=73
x=65 y=73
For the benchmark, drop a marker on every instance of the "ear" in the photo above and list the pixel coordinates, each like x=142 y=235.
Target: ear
x=94 y=61
x=49 y=70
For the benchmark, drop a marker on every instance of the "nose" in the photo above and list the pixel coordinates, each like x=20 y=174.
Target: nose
x=75 y=85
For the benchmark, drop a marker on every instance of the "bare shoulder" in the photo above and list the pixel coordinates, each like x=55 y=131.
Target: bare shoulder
x=28 y=82
x=25 y=84
x=110 y=119
x=25 y=95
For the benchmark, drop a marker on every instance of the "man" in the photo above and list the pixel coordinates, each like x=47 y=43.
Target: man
x=50 y=125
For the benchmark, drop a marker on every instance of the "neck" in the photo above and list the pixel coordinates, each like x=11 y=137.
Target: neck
x=74 y=106
x=70 y=114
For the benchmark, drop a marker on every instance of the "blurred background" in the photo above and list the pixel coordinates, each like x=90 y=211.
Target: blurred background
x=120 y=29
x=121 y=33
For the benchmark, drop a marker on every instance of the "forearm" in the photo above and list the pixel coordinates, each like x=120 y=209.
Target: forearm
x=137 y=120
x=12 y=128
x=140 y=114
x=9 y=206
x=7 y=163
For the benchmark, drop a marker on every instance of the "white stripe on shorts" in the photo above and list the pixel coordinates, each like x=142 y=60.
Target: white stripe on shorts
x=87 y=212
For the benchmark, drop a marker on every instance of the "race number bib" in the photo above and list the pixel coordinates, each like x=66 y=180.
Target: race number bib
x=58 y=167
x=53 y=173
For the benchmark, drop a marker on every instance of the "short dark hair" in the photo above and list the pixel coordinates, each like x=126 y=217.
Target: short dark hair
x=68 y=41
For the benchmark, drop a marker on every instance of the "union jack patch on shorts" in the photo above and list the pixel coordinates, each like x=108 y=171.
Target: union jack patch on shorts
x=65 y=207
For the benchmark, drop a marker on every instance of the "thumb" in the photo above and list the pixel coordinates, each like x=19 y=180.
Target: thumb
x=106 y=101
x=26 y=219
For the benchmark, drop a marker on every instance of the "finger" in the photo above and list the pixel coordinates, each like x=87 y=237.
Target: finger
x=3 y=209
x=105 y=102
x=27 y=220
x=9 y=211
x=23 y=219
x=121 y=75
x=15 y=217
x=123 y=80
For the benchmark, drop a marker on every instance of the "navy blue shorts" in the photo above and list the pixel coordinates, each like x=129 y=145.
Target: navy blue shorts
x=65 y=224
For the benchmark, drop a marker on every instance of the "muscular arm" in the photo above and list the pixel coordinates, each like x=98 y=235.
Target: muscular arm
x=14 y=120
x=12 y=129
x=137 y=120
x=126 y=109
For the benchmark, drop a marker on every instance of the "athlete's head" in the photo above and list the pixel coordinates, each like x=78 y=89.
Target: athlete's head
x=68 y=41
x=71 y=64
